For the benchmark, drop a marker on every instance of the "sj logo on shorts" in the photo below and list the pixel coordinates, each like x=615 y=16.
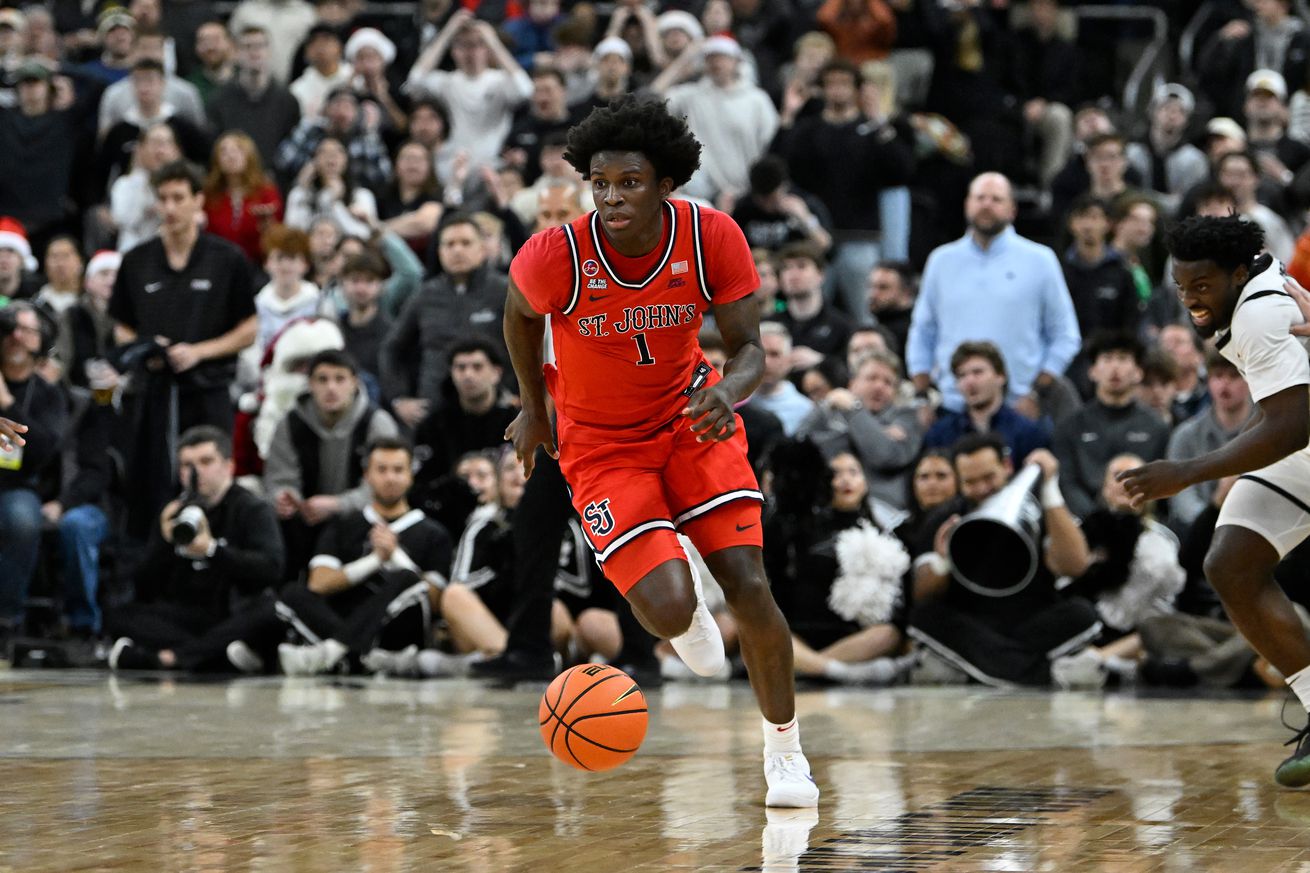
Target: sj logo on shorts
x=598 y=517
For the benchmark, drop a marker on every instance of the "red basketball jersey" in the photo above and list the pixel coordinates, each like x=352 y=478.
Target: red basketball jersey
x=625 y=329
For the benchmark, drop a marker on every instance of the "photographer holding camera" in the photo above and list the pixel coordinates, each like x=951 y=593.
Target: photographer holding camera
x=216 y=549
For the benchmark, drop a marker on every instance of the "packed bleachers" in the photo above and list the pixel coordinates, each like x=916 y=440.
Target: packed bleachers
x=253 y=260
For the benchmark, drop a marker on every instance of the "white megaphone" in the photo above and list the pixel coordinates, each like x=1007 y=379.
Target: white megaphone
x=995 y=549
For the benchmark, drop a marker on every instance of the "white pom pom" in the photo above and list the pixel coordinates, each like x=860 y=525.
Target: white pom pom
x=248 y=402
x=1154 y=580
x=870 y=566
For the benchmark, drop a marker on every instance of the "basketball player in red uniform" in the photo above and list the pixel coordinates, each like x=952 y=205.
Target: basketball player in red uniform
x=648 y=440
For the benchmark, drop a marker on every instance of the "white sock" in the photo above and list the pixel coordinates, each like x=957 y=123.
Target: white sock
x=701 y=645
x=781 y=738
x=1300 y=683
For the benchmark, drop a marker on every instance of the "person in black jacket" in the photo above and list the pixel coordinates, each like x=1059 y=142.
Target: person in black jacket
x=45 y=143
x=818 y=541
x=1104 y=294
x=373 y=580
x=193 y=598
x=845 y=160
x=1276 y=40
x=73 y=498
x=472 y=416
x=1010 y=638
x=1113 y=423
x=30 y=401
x=467 y=299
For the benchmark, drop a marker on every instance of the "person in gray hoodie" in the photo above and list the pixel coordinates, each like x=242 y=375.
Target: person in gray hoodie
x=314 y=464
x=866 y=418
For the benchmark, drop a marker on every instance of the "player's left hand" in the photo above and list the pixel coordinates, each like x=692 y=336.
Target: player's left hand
x=710 y=411
x=1153 y=481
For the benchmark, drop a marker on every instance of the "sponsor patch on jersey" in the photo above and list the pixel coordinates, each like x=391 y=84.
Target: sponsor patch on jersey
x=590 y=268
x=677 y=283
x=597 y=285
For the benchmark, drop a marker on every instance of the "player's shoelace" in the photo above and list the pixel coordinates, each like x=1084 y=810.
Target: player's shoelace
x=1300 y=735
x=789 y=764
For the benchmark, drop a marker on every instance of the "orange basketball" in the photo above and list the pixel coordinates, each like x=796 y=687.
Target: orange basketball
x=593 y=717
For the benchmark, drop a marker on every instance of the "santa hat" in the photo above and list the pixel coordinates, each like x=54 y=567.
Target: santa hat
x=103 y=260
x=14 y=236
x=370 y=37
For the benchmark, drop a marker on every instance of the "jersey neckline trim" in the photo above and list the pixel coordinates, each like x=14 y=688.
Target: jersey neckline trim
x=658 y=268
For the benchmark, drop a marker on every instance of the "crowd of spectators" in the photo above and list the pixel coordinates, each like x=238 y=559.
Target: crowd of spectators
x=253 y=270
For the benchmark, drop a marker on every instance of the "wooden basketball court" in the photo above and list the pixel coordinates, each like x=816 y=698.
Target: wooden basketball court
x=154 y=774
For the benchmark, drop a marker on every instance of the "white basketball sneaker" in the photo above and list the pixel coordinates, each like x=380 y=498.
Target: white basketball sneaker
x=311 y=660
x=391 y=663
x=244 y=658
x=790 y=783
x=701 y=645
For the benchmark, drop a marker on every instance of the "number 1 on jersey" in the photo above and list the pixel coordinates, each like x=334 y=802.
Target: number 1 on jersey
x=644 y=357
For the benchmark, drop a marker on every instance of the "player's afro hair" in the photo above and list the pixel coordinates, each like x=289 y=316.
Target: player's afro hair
x=1230 y=241
x=636 y=124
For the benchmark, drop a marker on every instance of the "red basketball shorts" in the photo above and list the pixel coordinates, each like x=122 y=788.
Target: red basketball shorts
x=635 y=495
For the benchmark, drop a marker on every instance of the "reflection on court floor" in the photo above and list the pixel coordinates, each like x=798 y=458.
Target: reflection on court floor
x=267 y=775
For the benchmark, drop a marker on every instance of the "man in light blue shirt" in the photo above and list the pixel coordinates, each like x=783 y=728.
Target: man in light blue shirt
x=993 y=285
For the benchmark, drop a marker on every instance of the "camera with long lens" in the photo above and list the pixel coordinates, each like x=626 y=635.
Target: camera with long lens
x=187 y=522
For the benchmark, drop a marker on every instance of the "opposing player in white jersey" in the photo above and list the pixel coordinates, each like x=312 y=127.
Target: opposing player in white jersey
x=1241 y=298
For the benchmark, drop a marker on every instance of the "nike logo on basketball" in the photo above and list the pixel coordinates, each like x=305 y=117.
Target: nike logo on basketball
x=594 y=297
x=741 y=528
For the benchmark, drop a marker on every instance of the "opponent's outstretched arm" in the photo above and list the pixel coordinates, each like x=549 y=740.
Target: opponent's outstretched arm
x=1281 y=427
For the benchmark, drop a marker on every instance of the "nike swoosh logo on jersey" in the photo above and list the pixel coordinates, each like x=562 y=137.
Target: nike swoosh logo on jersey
x=739 y=530
x=594 y=297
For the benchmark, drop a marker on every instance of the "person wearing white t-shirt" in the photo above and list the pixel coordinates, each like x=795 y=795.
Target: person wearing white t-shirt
x=324 y=71
x=1257 y=317
x=481 y=97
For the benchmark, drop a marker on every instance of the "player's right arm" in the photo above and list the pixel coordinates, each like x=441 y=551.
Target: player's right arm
x=525 y=331
x=1277 y=375
x=1281 y=428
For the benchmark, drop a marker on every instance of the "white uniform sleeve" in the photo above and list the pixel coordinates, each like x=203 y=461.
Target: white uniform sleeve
x=1268 y=356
